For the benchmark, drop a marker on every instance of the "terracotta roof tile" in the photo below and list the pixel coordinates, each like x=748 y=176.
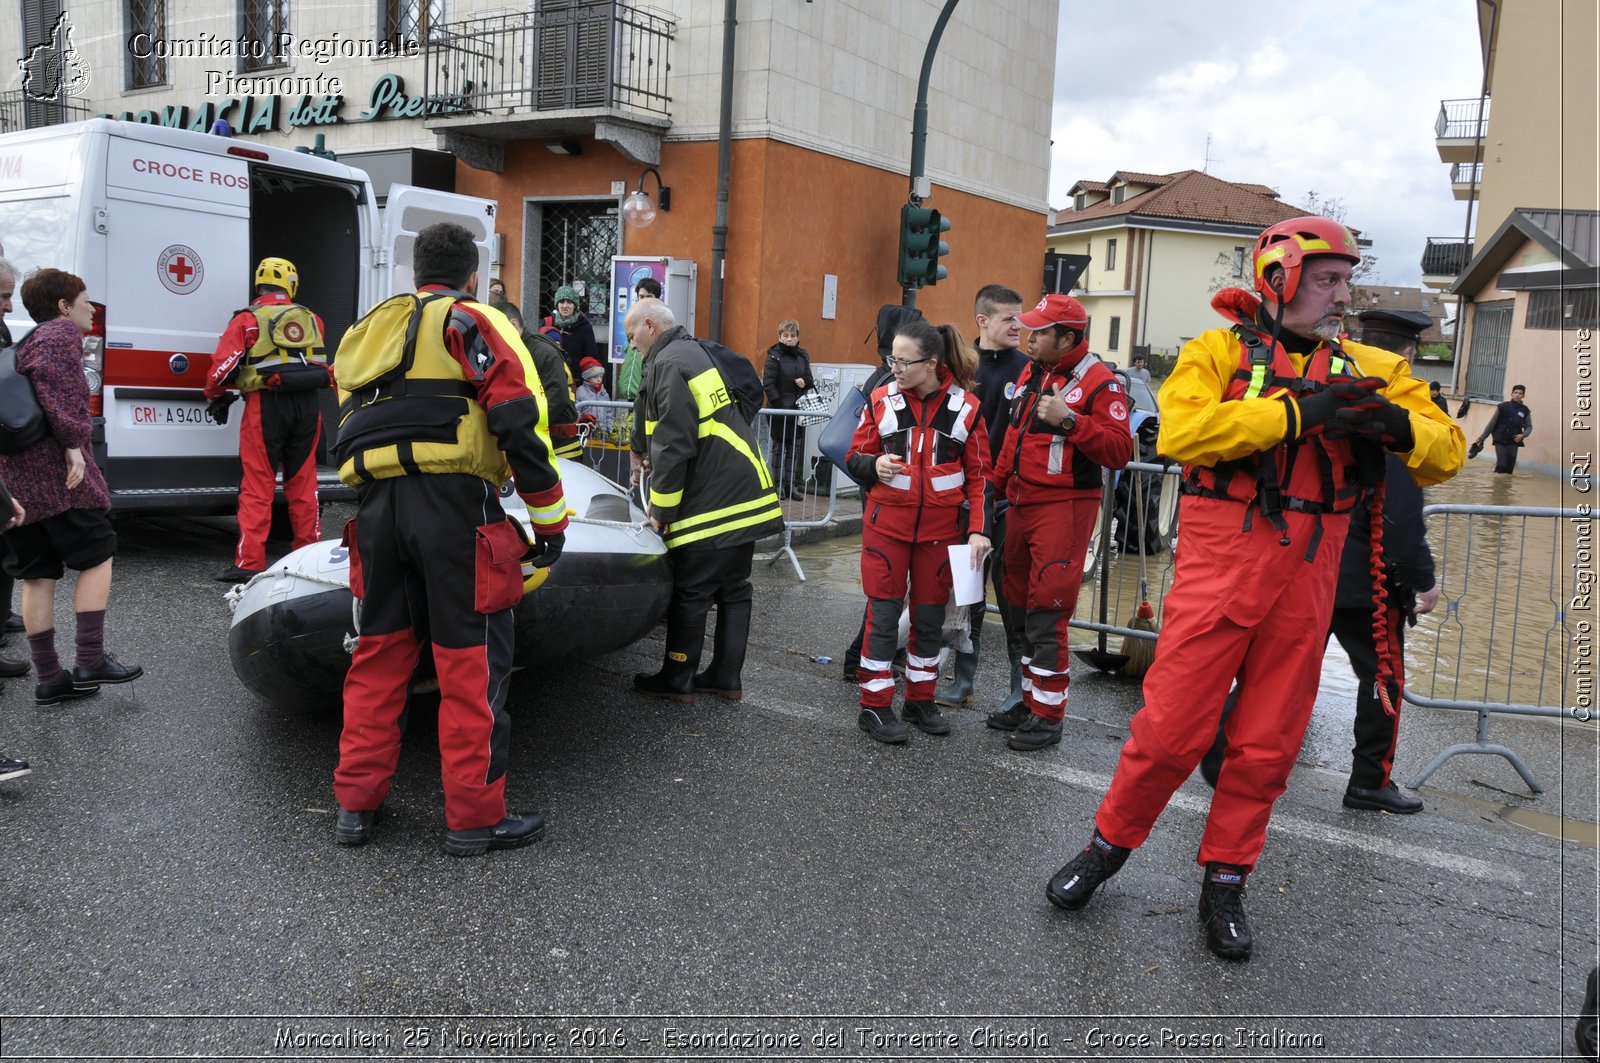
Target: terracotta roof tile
x=1190 y=195
x=1144 y=178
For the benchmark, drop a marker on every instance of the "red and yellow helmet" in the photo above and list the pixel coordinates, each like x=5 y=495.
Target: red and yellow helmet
x=279 y=272
x=1290 y=243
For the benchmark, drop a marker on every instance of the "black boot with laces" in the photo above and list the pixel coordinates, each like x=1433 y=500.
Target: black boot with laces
x=1073 y=885
x=1222 y=911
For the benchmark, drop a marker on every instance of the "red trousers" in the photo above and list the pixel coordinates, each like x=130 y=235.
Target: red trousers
x=1241 y=605
x=279 y=430
x=887 y=564
x=433 y=560
x=1044 y=549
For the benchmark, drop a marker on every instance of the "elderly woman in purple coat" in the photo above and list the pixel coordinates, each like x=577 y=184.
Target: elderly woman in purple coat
x=67 y=522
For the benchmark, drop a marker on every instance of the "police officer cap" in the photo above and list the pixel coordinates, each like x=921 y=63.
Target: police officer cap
x=1407 y=323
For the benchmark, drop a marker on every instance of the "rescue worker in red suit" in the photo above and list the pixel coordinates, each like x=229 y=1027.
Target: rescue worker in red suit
x=1068 y=423
x=431 y=424
x=922 y=444
x=1261 y=415
x=272 y=352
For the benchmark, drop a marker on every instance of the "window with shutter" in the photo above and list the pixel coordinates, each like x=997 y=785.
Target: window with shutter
x=574 y=53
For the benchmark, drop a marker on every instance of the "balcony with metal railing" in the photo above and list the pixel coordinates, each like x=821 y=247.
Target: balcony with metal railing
x=1443 y=259
x=585 y=68
x=1465 y=179
x=1458 y=128
x=18 y=110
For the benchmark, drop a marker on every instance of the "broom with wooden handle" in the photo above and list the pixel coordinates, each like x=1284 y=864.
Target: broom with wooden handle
x=1141 y=653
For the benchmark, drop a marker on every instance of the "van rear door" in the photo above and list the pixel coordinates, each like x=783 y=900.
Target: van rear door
x=179 y=222
x=409 y=210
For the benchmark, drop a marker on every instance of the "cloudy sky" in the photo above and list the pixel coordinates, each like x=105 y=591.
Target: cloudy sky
x=1339 y=99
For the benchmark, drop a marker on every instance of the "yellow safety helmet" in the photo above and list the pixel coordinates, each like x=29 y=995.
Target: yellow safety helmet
x=279 y=272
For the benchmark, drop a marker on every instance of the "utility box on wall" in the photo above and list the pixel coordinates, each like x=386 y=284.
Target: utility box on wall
x=677 y=277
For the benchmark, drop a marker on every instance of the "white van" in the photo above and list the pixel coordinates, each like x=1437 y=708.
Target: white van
x=165 y=227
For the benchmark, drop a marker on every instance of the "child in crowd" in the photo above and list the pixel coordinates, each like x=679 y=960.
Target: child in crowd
x=592 y=388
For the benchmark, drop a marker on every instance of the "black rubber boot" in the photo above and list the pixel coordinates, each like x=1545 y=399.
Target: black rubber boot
x=958 y=691
x=722 y=675
x=1011 y=711
x=852 y=655
x=675 y=681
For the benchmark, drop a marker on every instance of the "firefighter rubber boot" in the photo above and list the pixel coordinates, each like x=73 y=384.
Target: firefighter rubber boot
x=675 y=681
x=1222 y=911
x=1074 y=884
x=722 y=675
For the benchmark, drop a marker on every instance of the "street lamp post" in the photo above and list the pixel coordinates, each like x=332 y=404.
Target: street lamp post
x=919 y=126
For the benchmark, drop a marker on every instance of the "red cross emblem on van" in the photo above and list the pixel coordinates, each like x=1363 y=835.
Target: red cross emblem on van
x=179 y=269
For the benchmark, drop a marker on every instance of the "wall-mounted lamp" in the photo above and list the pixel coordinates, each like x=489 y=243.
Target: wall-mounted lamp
x=637 y=210
x=564 y=147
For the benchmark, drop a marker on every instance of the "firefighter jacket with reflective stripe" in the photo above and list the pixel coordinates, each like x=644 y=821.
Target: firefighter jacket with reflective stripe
x=1201 y=426
x=941 y=439
x=247 y=343
x=1041 y=462
x=467 y=401
x=708 y=483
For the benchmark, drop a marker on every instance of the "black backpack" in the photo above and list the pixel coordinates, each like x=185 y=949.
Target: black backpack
x=22 y=422
x=739 y=376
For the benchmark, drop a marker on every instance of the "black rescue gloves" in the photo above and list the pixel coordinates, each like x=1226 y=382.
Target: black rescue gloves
x=218 y=407
x=1318 y=408
x=546 y=549
x=1377 y=420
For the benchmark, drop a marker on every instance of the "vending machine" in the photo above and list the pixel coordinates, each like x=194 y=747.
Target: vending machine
x=677 y=279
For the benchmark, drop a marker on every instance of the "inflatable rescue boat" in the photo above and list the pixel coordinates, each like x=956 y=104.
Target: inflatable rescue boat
x=610 y=586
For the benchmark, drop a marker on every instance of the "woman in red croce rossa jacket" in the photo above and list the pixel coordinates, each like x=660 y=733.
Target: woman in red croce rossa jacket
x=917 y=445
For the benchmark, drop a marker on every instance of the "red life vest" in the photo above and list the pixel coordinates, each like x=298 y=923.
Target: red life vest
x=1048 y=459
x=933 y=451
x=1312 y=474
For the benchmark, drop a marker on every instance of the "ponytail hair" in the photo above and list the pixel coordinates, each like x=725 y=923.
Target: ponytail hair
x=946 y=344
x=960 y=358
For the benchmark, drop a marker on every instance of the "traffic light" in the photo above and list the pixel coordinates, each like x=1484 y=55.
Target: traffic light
x=938 y=225
x=920 y=246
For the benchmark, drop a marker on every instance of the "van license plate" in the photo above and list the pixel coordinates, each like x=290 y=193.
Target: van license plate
x=165 y=413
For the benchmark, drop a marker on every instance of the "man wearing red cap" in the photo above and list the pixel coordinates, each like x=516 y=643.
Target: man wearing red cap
x=1068 y=423
x=1281 y=427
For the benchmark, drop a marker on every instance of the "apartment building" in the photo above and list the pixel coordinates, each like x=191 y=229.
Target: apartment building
x=1522 y=159
x=561 y=109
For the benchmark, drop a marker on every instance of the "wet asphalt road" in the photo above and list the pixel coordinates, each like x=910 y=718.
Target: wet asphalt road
x=762 y=866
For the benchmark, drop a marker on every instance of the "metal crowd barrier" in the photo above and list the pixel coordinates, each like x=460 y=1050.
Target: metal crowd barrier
x=1502 y=639
x=816 y=481
x=609 y=442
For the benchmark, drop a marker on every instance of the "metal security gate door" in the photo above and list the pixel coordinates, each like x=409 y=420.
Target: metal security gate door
x=1491 y=339
x=574 y=246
